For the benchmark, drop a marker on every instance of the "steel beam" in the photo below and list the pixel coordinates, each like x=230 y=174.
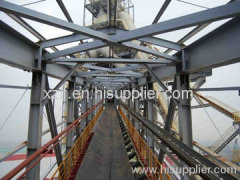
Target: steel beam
x=14 y=87
x=108 y=60
x=111 y=75
x=218 y=89
x=70 y=115
x=149 y=112
x=202 y=17
x=161 y=11
x=161 y=42
x=63 y=40
x=50 y=20
x=184 y=110
x=53 y=126
x=165 y=88
x=80 y=48
x=23 y=53
x=35 y=120
x=64 y=10
x=149 y=51
x=70 y=73
x=223 y=41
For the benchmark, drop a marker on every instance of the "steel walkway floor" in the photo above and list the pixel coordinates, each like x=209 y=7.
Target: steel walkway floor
x=106 y=157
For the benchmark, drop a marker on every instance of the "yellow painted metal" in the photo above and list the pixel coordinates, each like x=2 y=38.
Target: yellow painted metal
x=237 y=116
x=64 y=170
x=148 y=158
x=234 y=115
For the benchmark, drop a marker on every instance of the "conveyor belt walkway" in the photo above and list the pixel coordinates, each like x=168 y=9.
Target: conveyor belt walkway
x=109 y=149
x=106 y=157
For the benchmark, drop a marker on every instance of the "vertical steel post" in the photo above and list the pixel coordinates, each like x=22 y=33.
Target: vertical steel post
x=36 y=116
x=184 y=110
x=76 y=113
x=70 y=116
x=150 y=114
x=83 y=110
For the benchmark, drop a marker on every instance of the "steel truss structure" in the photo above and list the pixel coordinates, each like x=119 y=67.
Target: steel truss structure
x=76 y=67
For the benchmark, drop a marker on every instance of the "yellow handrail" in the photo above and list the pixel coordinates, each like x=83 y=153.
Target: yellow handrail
x=63 y=171
x=148 y=158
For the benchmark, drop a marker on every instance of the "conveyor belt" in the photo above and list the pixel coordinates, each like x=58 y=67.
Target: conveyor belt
x=187 y=154
x=106 y=157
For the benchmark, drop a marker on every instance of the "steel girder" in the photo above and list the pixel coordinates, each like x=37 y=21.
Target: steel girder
x=108 y=60
x=218 y=48
x=18 y=51
x=50 y=20
x=213 y=14
x=161 y=11
x=202 y=17
x=78 y=37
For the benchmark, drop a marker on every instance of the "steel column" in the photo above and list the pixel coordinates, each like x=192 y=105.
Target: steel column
x=35 y=120
x=53 y=126
x=83 y=110
x=150 y=115
x=184 y=110
x=70 y=116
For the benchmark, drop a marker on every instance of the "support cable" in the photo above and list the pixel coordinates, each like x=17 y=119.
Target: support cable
x=214 y=125
x=32 y=3
x=204 y=7
x=13 y=110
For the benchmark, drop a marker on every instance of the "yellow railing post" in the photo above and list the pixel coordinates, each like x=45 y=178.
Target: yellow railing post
x=63 y=171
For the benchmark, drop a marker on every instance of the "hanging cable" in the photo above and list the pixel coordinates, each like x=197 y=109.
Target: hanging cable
x=193 y=4
x=32 y=3
x=214 y=125
x=13 y=109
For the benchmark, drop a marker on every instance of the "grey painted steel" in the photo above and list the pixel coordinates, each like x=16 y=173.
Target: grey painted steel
x=225 y=37
x=70 y=73
x=237 y=88
x=14 y=87
x=50 y=20
x=29 y=28
x=161 y=42
x=149 y=51
x=63 y=40
x=53 y=126
x=64 y=10
x=24 y=52
x=81 y=48
x=199 y=53
x=70 y=115
x=161 y=11
x=83 y=110
x=98 y=44
x=109 y=80
x=214 y=14
x=35 y=120
x=168 y=125
x=112 y=75
x=149 y=110
x=184 y=110
x=165 y=88
x=109 y=60
x=187 y=154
